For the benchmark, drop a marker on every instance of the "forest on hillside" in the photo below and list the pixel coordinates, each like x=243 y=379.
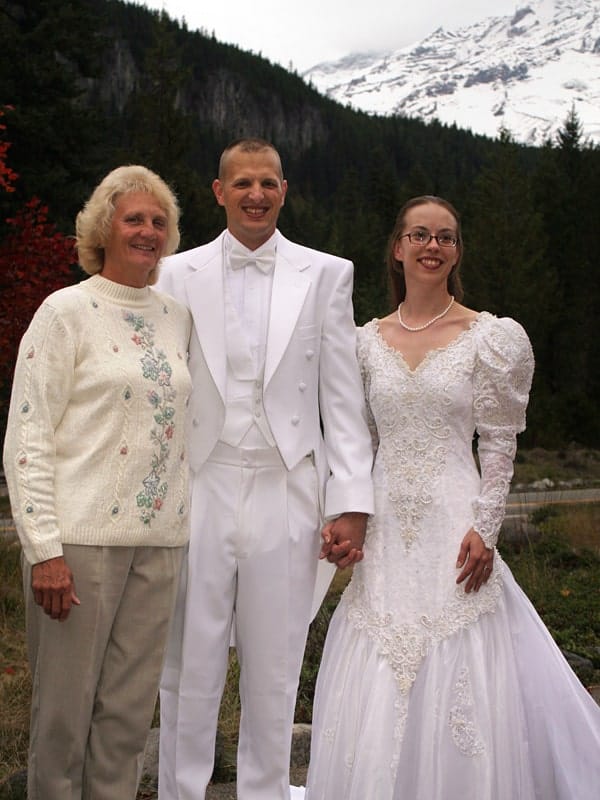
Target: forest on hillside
x=89 y=84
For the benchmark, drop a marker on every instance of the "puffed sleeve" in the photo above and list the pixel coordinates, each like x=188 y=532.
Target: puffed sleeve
x=41 y=389
x=502 y=380
x=363 y=337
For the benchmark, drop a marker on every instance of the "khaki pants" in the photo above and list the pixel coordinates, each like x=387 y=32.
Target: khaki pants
x=95 y=676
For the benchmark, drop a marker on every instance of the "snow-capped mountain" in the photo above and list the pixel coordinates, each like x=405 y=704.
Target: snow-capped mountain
x=522 y=72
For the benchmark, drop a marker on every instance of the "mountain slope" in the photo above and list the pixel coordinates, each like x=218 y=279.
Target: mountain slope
x=523 y=73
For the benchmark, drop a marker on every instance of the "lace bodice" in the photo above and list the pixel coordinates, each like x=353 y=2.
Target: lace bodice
x=429 y=492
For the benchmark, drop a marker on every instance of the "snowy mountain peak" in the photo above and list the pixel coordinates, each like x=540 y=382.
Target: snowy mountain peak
x=522 y=73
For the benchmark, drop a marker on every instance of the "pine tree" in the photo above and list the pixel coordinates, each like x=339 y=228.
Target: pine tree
x=569 y=192
x=49 y=55
x=35 y=259
x=158 y=133
x=505 y=268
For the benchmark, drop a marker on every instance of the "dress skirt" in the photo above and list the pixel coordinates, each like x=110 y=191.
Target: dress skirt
x=426 y=692
x=494 y=713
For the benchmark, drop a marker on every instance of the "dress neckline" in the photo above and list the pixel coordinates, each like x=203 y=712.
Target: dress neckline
x=434 y=350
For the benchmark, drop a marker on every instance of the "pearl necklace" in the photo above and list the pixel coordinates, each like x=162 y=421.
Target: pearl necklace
x=427 y=324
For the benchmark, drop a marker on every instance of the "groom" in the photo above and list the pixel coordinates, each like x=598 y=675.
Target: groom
x=277 y=443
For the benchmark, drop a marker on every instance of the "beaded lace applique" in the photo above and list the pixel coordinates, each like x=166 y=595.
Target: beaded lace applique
x=460 y=718
x=414 y=434
x=406 y=645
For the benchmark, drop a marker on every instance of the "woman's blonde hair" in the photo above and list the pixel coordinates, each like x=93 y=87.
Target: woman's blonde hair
x=93 y=224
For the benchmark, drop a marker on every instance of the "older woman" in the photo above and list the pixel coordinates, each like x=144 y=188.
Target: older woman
x=95 y=465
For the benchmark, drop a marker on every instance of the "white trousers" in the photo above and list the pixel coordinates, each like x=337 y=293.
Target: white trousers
x=252 y=562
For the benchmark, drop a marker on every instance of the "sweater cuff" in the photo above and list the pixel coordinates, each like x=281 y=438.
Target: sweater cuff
x=42 y=551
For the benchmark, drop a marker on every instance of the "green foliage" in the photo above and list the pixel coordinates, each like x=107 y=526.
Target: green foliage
x=560 y=573
x=95 y=83
x=567 y=190
x=35 y=259
x=15 y=682
x=50 y=51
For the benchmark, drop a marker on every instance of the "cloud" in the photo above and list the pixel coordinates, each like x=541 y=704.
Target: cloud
x=311 y=31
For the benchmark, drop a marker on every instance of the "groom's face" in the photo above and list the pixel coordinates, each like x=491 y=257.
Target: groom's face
x=252 y=190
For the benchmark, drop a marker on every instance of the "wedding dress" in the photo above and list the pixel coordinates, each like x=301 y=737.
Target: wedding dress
x=426 y=692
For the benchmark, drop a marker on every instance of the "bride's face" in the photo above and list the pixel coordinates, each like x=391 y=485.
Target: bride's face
x=423 y=256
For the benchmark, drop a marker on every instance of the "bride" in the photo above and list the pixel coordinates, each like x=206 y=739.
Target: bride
x=439 y=680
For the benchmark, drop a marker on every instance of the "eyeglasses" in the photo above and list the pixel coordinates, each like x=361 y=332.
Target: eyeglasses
x=424 y=237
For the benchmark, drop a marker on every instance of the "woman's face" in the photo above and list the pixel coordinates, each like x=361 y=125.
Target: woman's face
x=137 y=239
x=428 y=261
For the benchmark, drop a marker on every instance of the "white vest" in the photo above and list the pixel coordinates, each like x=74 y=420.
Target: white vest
x=245 y=420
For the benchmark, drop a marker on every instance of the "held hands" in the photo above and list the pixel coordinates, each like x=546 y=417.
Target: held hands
x=477 y=561
x=53 y=587
x=343 y=539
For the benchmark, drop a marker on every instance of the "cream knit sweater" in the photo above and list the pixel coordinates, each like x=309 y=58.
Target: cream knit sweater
x=94 y=450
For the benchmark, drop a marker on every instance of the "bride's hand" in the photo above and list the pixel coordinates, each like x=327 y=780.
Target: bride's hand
x=343 y=538
x=476 y=560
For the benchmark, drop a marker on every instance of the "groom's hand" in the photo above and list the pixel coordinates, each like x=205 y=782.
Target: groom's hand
x=343 y=539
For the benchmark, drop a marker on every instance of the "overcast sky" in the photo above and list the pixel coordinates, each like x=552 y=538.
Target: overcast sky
x=306 y=32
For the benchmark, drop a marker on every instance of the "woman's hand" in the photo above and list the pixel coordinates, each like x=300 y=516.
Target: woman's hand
x=54 y=588
x=343 y=539
x=476 y=560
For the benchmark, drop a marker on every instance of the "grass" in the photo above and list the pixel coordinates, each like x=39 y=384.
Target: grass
x=559 y=570
x=15 y=682
x=572 y=463
x=560 y=573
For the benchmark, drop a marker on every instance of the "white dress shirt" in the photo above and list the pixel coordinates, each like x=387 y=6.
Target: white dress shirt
x=250 y=290
x=248 y=285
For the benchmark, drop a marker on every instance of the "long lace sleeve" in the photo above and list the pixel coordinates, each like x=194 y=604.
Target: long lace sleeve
x=362 y=354
x=503 y=374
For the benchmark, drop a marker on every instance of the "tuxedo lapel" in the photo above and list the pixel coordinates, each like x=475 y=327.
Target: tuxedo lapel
x=206 y=299
x=290 y=286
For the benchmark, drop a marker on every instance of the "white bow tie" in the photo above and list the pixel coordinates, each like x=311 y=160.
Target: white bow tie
x=265 y=261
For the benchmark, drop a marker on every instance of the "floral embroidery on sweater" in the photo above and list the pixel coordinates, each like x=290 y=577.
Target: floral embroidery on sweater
x=157 y=369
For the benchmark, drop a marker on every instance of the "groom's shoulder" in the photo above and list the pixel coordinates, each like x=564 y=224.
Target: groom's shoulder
x=301 y=252
x=196 y=256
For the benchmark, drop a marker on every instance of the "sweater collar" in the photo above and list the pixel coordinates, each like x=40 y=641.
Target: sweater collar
x=118 y=292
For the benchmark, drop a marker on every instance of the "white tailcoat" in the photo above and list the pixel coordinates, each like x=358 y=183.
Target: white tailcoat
x=311 y=374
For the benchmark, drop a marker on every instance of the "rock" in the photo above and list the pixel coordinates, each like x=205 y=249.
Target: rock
x=577 y=662
x=300 y=745
x=581 y=666
x=544 y=483
x=150 y=769
x=594 y=690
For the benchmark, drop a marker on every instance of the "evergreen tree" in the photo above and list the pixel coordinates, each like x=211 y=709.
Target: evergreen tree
x=97 y=83
x=569 y=193
x=159 y=134
x=49 y=49
x=35 y=259
x=505 y=266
